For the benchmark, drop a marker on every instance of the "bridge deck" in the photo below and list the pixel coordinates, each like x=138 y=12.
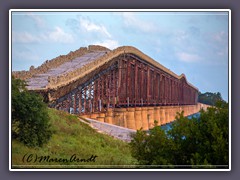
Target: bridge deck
x=41 y=80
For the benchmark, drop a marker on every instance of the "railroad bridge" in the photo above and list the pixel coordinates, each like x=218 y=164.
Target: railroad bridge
x=124 y=87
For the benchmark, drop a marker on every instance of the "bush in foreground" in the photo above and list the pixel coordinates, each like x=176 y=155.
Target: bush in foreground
x=30 y=121
x=190 y=142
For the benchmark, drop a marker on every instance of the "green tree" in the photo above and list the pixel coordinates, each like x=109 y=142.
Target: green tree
x=30 y=121
x=150 y=149
x=196 y=141
x=209 y=98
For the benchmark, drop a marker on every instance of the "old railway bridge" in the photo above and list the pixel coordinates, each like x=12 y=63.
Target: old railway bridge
x=124 y=87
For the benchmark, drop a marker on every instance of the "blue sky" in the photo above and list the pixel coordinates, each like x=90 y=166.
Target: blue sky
x=193 y=43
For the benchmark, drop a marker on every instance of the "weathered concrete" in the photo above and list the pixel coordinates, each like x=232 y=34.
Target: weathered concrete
x=143 y=117
x=112 y=130
x=162 y=116
x=145 y=125
x=150 y=116
x=157 y=114
x=109 y=116
x=138 y=118
x=101 y=117
x=130 y=118
x=166 y=115
x=119 y=117
x=94 y=115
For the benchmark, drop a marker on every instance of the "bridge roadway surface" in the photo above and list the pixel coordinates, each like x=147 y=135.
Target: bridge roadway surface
x=41 y=80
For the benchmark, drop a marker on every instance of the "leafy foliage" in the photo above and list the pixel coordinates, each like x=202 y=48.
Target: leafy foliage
x=209 y=98
x=196 y=141
x=30 y=121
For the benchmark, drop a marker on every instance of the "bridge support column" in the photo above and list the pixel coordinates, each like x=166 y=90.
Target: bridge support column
x=94 y=115
x=180 y=109
x=109 y=116
x=192 y=110
x=130 y=118
x=145 y=118
x=171 y=112
x=138 y=118
x=101 y=117
x=120 y=117
x=188 y=110
x=157 y=115
x=162 y=115
x=196 y=108
x=176 y=110
x=166 y=114
x=185 y=110
x=150 y=116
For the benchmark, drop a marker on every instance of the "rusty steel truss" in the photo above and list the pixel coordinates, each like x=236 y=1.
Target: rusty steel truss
x=127 y=82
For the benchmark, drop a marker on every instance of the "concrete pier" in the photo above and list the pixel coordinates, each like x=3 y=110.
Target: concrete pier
x=143 y=117
x=150 y=115
x=157 y=114
x=101 y=117
x=138 y=118
x=130 y=118
x=162 y=116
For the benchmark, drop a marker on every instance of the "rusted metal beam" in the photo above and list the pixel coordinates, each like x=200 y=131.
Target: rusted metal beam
x=128 y=82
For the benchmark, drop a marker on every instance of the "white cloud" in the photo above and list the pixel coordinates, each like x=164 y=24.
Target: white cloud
x=130 y=20
x=109 y=43
x=24 y=37
x=37 y=19
x=58 y=35
x=223 y=52
x=187 y=57
x=179 y=36
x=220 y=43
x=90 y=26
x=220 y=36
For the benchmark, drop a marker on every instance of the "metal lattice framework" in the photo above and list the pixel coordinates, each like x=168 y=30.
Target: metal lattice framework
x=127 y=81
x=95 y=79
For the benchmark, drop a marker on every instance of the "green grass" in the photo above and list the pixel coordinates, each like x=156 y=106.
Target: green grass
x=73 y=137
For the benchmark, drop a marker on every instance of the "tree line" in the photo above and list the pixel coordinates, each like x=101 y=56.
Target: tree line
x=201 y=142
x=209 y=98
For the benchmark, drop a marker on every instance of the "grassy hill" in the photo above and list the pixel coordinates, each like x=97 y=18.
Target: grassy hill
x=72 y=143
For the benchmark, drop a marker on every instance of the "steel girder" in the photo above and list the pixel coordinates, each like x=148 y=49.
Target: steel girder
x=128 y=82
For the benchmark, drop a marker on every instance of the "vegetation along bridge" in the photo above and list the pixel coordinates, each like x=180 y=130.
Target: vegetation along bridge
x=124 y=87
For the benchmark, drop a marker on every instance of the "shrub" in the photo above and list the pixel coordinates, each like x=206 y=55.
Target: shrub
x=192 y=142
x=30 y=121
